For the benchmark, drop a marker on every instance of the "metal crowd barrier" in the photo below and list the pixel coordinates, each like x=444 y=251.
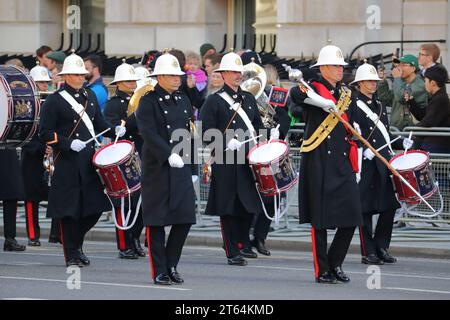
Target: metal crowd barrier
x=440 y=164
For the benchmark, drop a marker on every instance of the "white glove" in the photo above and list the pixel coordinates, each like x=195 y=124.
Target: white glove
x=77 y=145
x=319 y=101
x=175 y=161
x=407 y=143
x=194 y=179
x=368 y=154
x=234 y=144
x=357 y=127
x=274 y=134
x=120 y=131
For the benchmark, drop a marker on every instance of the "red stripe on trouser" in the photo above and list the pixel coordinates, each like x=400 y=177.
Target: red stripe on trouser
x=120 y=233
x=313 y=240
x=62 y=240
x=152 y=269
x=31 y=233
x=223 y=238
x=361 y=238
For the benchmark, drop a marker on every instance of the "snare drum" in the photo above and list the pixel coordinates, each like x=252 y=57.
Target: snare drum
x=272 y=167
x=119 y=168
x=19 y=107
x=414 y=167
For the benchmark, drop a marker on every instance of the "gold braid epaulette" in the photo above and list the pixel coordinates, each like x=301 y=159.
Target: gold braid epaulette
x=328 y=124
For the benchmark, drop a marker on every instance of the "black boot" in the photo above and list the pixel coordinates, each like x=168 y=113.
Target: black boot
x=137 y=247
x=174 y=276
x=84 y=260
x=127 y=254
x=12 y=245
x=261 y=247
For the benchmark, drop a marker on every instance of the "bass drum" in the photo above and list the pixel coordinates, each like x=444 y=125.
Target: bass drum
x=19 y=107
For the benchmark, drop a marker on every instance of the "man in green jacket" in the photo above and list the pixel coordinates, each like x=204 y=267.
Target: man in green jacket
x=405 y=80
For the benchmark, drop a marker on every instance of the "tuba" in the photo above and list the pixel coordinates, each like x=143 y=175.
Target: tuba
x=136 y=97
x=254 y=81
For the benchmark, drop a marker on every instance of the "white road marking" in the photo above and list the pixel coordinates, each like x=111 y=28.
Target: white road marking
x=99 y=283
x=356 y=272
x=417 y=290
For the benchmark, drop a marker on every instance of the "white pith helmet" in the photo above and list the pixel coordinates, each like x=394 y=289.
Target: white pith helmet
x=73 y=64
x=167 y=64
x=125 y=72
x=39 y=73
x=366 y=72
x=330 y=55
x=231 y=62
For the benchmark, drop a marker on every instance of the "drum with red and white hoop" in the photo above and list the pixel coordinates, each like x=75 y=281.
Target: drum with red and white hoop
x=19 y=107
x=272 y=168
x=414 y=167
x=119 y=168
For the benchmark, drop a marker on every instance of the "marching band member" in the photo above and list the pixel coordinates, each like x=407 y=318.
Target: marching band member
x=115 y=111
x=70 y=117
x=168 y=196
x=233 y=195
x=327 y=187
x=375 y=185
x=36 y=188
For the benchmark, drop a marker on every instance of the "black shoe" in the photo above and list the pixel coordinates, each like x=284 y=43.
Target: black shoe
x=260 y=247
x=74 y=262
x=326 y=278
x=54 y=239
x=237 y=261
x=371 y=259
x=84 y=260
x=340 y=275
x=162 y=279
x=127 y=254
x=34 y=243
x=137 y=248
x=385 y=256
x=248 y=253
x=12 y=245
x=174 y=276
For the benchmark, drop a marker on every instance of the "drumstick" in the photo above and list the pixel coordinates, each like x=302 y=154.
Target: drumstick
x=410 y=135
x=248 y=140
x=93 y=138
x=122 y=123
x=379 y=156
x=385 y=145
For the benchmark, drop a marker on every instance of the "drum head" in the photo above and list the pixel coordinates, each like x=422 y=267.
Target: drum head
x=409 y=161
x=112 y=154
x=267 y=152
x=4 y=108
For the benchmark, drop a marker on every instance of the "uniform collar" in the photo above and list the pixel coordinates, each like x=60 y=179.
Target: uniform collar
x=164 y=95
x=333 y=90
x=123 y=94
x=74 y=92
x=237 y=96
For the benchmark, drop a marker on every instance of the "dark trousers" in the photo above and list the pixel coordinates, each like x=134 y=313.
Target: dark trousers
x=9 y=218
x=124 y=238
x=32 y=220
x=325 y=260
x=165 y=255
x=55 y=229
x=381 y=239
x=73 y=232
x=262 y=224
x=235 y=233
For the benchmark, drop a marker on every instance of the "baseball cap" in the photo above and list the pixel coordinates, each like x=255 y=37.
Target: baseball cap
x=409 y=58
x=58 y=56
